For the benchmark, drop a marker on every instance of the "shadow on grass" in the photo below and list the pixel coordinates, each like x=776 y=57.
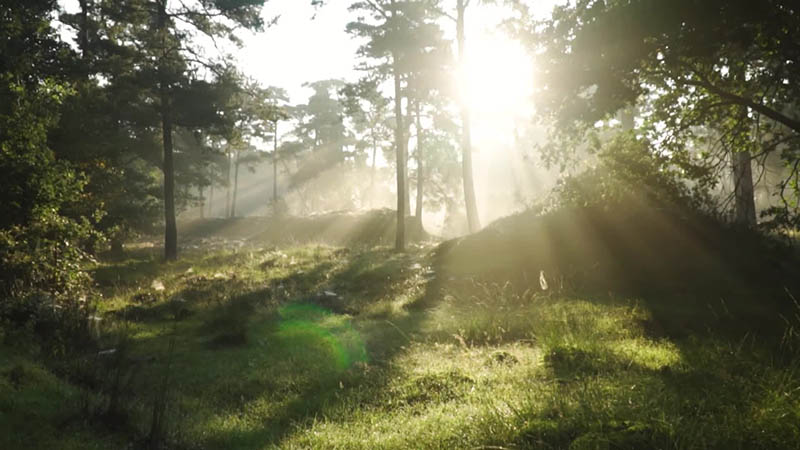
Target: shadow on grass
x=714 y=396
x=252 y=361
x=327 y=361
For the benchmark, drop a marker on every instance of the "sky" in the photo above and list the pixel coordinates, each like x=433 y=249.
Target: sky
x=298 y=49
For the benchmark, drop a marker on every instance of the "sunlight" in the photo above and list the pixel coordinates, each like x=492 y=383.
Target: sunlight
x=497 y=81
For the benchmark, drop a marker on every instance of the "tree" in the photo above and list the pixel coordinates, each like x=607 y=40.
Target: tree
x=394 y=31
x=160 y=38
x=41 y=244
x=710 y=74
x=369 y=111
x=321 y=131
x=101 y=130
x=470 y=201
x=429 y=86
x=277 y=113
x=252 y=117
x=466 y=133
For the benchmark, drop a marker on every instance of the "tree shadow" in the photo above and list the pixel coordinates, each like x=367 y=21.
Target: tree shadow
x=297 y=342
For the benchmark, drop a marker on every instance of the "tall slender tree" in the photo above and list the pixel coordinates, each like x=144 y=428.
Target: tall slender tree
x=368 y=109
x=394 y=31
x=183 y=86
x=470 y=201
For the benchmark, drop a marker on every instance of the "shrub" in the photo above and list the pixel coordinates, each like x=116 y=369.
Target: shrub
x=629 y=170
x=42 y=285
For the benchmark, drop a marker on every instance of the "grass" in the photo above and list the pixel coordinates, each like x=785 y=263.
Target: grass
x=325 y=347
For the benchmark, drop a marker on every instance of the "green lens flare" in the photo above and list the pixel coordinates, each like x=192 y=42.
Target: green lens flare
x=313 y=331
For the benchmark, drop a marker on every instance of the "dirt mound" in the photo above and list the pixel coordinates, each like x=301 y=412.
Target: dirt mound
x=625 y=249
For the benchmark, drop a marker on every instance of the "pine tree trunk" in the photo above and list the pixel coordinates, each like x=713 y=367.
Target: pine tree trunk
x=275 y=168
x=372 y=172
x=171 y=228
x=400 y=241
x=420 y=168
x=117 y=248
x=744 y=193
x=235 y=185
x=83 y=33
x=228 y=158
x=627 y=118
x=211 y=201
x=408 y=122
x=202 y=203
x=466 y=133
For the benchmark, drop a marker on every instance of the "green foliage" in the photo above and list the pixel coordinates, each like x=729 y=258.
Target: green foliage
x=703 y=87
x=40 y=247
x=629 y=170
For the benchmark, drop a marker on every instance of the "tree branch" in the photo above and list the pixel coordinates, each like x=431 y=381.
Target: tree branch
x=789 y=122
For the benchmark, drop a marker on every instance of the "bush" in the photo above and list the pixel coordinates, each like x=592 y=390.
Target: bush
x=628 y=171
x=43 y=288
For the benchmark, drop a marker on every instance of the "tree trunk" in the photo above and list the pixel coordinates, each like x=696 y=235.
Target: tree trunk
x=466 y=133
x=171 y=228
x=744 y=193
x=202 y=203
x=420 y=168
x=235 y=185
x=211 y=201
x=83 y=33
x=117 y=248
x=409 y=121
x=228 y=158
x=400 y=241
x=372 y=171
x=275 y=168
x=627 y=118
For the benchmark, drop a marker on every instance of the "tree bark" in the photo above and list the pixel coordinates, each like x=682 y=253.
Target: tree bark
x=408 y=122
x=744 y=193
x=228 y=157
x=171 y=228
x=466 y=133
x=202 y=203
x=275 y=167
x=627 y=118
x=83 y=33
x=117 y=248
x=372 y=171
x=211 y=201
x=235 y=184
x=400 y=241
x=420 y=167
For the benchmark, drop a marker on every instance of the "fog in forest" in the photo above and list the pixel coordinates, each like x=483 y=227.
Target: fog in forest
x=399 y=224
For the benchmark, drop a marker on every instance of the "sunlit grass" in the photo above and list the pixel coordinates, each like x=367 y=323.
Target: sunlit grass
x=399 y=355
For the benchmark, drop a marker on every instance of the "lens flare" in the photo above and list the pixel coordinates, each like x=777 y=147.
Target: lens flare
x=308 y=328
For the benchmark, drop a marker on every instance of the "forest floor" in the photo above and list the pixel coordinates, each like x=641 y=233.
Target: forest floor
x=314 y=346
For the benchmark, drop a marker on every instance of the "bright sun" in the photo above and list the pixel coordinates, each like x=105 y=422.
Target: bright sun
x=497 y=81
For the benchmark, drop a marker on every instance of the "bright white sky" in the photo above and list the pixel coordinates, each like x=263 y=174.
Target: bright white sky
x=298 y=49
